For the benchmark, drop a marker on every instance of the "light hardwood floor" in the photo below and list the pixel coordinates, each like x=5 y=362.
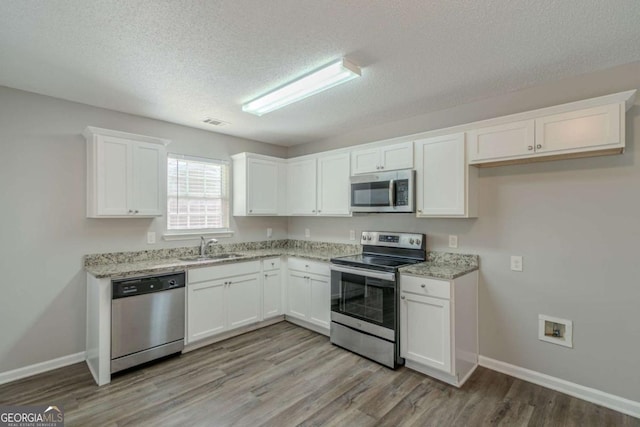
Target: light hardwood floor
x=284 y=375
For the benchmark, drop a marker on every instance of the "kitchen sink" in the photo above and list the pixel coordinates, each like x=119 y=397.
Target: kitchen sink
x=197 y=258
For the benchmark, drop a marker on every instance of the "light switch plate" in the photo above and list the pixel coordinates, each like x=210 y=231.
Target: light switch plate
x=453 y=241
x=269 y=232
x=516 y=263
x=307 y=232
x=151 y=237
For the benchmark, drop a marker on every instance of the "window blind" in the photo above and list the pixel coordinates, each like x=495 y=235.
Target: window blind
x=197 y=193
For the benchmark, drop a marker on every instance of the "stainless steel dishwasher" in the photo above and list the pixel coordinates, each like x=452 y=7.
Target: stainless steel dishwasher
x=147 y=319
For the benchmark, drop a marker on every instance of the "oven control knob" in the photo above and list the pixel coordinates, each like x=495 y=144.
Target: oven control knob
x=418 y=242
x=411 y=241
x=368 y=237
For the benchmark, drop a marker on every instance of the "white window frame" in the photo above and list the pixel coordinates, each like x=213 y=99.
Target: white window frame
x=189 y=234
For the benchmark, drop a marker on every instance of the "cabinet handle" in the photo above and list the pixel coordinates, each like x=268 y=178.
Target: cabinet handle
x=130 y=211
x=306 y=266
x=530 y=147
x=136 y=211
x=423 y=286
x=402 y=297
x=419 y=210
x=539 y=146
x=273 y=264
x=250 y=210
x=381 y=167
x=319 y=211
x=314 y=211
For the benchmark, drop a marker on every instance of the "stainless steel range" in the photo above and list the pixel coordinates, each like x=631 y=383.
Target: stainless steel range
x=365 y=294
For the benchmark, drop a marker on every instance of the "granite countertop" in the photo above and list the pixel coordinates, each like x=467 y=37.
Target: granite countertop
x=439 y=265
x=143 y=263
x=443 y=265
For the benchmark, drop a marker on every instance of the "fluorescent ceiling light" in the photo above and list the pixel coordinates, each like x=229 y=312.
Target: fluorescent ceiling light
x=326 y=77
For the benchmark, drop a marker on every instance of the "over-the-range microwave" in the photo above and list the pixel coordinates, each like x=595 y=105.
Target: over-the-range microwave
x=383 y=192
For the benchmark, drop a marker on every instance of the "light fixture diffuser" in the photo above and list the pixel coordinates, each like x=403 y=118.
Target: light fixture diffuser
x=323 y=78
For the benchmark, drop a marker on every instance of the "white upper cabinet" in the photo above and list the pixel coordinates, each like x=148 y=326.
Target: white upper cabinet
x=125 y=174
x=382 y=158
x=502 y=141
x=445 y=186
x=301 y=189
x=333 y=184
x=580 y=129
x=259 y=185
x=319 y=185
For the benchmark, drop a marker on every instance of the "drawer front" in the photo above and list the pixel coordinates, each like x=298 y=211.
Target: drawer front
x=423 y=286
x=308 y=266
x=271 y=264
x=203 y=274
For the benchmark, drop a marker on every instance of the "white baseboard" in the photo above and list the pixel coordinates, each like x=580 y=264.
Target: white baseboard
x=592 y=395
x=38 y=368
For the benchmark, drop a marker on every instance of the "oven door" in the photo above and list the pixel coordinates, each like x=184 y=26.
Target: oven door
x=364 y=300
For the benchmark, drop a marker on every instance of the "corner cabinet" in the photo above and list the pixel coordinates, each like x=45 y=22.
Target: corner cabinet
x=382 y=158
x=259 y=185
x=445 y=185
x=126 y=174
x=439 y=326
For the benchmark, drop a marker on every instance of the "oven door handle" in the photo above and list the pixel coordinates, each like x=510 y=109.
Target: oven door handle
x=392 y=192
x=391 y=277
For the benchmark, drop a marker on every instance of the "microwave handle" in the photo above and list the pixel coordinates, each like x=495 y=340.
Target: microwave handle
x=392 y=192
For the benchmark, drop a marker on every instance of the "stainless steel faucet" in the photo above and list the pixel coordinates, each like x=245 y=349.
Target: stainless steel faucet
x=204 y=244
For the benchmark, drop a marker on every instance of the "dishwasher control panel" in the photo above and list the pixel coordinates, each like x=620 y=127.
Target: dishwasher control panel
x=145 y=285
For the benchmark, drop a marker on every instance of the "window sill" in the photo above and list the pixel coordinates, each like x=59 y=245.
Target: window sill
x=195 y=235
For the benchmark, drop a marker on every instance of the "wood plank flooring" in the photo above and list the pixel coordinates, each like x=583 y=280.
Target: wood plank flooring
x=284 y=375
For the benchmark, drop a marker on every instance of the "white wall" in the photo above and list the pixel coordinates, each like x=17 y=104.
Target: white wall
x=43 y=229
x=575 y=222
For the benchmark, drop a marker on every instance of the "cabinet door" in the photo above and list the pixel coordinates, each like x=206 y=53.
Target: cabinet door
x=113 y=170
x=425 y=331
x=302 y=187
x=365 y=161
x=262 y=187
x=272 y=294
x=498 y=142
x=298 y=295
x=148 y=182
x=397 y=156
x=592 y=127
x=243 y=300
x=205 y=310
x=320 y=308
x=333 y=184
x=441 y=171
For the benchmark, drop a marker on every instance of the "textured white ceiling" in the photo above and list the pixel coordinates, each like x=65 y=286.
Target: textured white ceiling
x=183 y=61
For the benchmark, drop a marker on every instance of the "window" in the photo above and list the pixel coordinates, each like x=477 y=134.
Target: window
x=197 y=194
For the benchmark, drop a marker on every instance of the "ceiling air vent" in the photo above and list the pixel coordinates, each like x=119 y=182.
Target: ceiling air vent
x=214 y=122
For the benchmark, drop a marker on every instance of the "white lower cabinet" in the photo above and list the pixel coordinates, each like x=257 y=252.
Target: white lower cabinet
x=309 y=293
x=271 y=288
x=320 y=307
x=439 y=326
x=222 y=298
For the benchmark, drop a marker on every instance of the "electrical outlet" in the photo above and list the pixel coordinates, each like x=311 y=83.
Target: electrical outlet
x=516 y=263
x=352 y=234
x=151 y=237
x=453 y=241
x=307 y=232
x=269 y=232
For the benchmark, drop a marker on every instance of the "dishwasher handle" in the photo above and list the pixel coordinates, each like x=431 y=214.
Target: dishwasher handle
x=125 y=288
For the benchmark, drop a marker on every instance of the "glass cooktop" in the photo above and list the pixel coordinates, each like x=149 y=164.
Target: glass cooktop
x=374 y=262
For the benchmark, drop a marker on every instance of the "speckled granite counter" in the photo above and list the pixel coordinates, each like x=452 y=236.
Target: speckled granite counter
x=129 y=264
x=443 y=265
